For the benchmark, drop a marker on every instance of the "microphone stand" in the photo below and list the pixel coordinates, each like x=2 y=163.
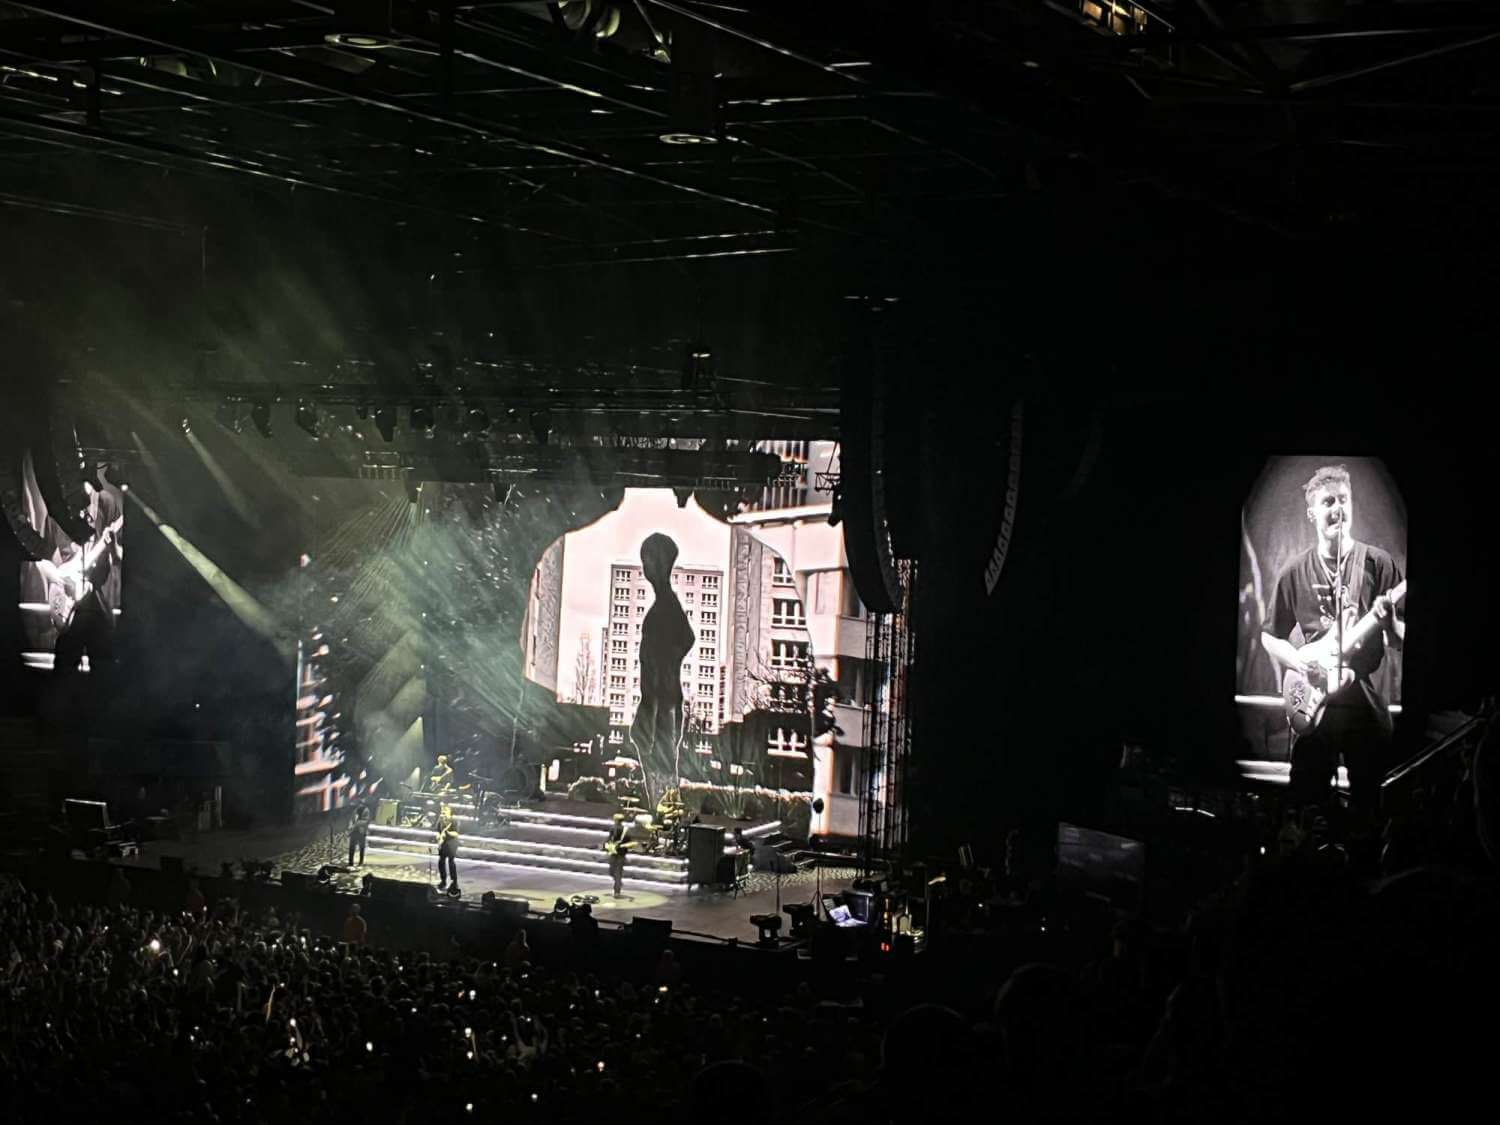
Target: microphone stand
x=1338 y=598
x=1338 y=616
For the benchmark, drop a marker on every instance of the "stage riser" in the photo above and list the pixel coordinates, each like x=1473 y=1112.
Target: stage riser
x=464 y=813
x=534 y=863
x=519 y=830
x=507 y=847
x=541 y=835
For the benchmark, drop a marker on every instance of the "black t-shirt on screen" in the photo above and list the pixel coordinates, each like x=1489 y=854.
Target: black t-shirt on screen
x=1304 y=600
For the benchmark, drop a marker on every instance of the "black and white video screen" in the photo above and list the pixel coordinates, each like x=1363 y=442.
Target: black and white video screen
x=1321 y=621
x=656 y=644
x=689 y=640
x=70 y=595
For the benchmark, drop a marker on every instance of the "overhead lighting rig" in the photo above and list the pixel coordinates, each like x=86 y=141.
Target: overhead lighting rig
x=541 y=407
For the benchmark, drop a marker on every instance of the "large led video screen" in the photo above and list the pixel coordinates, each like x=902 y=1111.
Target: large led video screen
x=70 y=596
x=688 y=636
x=1321 y=624
x=609 y=643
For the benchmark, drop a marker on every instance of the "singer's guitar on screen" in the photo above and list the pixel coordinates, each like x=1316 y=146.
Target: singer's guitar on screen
x=72 y=584
x=1303 y=700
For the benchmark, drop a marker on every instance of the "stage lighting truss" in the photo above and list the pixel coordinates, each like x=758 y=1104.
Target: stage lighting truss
x=229 y=415
x=385 y=422
x=307 y=418
x=260 y=417
x=528 y=406
x=476 y=423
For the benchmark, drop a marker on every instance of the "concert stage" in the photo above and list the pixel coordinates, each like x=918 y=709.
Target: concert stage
x=548 y=851
x=558 y=836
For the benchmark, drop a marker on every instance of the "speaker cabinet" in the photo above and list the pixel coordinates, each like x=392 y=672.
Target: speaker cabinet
x=705 y=846
x=656 y=930
x=299 y=882
x=511 y=909
x=399 y=891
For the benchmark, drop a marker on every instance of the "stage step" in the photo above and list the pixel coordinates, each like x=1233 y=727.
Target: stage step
x=664 y=871
x=559 y=836
x=791 y=850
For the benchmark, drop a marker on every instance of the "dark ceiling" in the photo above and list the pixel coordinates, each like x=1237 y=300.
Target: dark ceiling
x=545 y=120
x=636 y=175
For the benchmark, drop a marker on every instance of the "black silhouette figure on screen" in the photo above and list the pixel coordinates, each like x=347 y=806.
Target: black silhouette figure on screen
x=666 y=638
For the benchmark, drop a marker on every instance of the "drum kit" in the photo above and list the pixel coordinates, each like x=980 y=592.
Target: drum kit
x=422 y=805
x=667 y=830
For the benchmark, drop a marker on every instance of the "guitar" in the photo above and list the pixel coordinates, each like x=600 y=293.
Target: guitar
x=72 y=584
x=620 y=847
x=1303 y=700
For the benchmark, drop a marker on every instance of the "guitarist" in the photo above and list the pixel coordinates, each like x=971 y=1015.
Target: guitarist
x=447 y=841
x=1337 y=575
x=90 y=626
x=616 y=844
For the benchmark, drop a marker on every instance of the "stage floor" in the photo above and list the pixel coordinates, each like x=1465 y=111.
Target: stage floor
x=705 y=912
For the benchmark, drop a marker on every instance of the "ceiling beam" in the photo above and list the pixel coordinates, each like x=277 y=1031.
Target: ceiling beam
x=1390 y=63
x=324 y=81
x=160 y=154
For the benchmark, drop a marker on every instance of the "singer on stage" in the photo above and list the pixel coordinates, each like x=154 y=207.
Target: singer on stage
x=359 y=831
x=447 y=834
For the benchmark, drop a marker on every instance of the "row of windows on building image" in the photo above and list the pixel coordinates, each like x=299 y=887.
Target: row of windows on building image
x=785 y=655
x=703 y=687
x=784 y=742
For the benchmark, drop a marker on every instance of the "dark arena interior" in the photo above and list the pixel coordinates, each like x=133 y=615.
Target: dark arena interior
x=657 y=560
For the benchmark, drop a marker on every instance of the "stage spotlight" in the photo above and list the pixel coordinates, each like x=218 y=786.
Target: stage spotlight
x=307 y=418
x=187 y=427
x=385 y=422
x=476 y=422
x=697 y=368
x=260 y=415
x=541 y=425
x=228 y=415
x=413 y=489
x=421 y=420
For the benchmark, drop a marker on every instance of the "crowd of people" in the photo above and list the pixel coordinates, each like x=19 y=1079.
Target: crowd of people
x=208 y=1014
x=1304 y=988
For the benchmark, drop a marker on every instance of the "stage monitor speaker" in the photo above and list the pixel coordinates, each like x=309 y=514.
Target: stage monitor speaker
x=512 y=909
x=656 y=929
x=299 y=881
x=385 y=812
x=861 y=905
x=399 y=891
x=705 y=846
x=86 y=816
